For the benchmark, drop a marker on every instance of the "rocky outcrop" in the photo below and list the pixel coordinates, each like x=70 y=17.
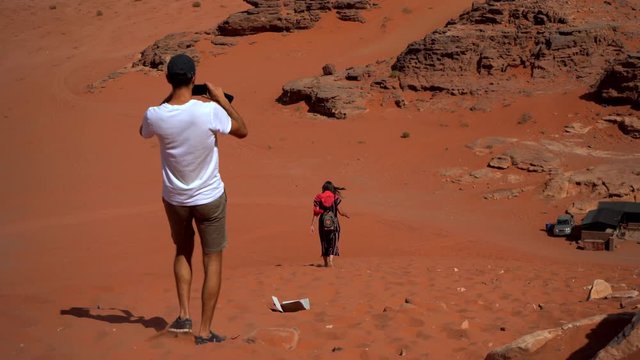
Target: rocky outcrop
x=524 y=346
x=620 y=84
x=553 y=343
x=288 y=15
x=532 y=158
x=502 y=194
x=331 y=96
x=157 y=55
x=265 y=16
x=497 y=41
x=486 y=145
x=629 y=125
x=625 y=345
x=621 y=180
x=350 y=15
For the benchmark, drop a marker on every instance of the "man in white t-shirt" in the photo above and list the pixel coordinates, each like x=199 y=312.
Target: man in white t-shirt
x=192 y=190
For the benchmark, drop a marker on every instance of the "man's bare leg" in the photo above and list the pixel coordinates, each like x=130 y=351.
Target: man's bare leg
x=330 y=263
x=182 y=273
x=210 y=290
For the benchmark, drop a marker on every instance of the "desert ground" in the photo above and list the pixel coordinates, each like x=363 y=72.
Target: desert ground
x=429 y=268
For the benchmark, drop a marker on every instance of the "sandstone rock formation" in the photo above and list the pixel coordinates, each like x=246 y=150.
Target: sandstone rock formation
x=551 y=341
x=265 y=16
x=504 y=194
x=620 y=84
x=331 y=96
x=487 y=144
x=599 y=289
x=523 y=346
x=629 y=125
x=532 y=158
x=493 y=42
x=157 y=55
x=288 y=15
x=621 y=180
x=500 y=162
x=350 y=15
x=626 y=345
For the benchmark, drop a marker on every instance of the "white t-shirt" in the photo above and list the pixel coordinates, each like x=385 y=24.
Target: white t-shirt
x=188 y=149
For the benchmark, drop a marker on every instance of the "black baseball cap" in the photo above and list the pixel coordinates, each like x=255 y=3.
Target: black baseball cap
x=181 y=64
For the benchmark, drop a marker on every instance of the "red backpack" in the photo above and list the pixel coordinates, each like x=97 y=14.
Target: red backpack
x=329 y=218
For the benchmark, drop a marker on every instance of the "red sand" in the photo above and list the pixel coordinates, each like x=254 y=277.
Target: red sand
x=83 y=226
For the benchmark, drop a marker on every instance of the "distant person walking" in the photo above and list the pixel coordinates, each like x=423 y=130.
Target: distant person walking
x=192 y=188
x=326 y=206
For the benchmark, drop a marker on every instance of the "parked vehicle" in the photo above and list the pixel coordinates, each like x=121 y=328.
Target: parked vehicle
x=564 y=225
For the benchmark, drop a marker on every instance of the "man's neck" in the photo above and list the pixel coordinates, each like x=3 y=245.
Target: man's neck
x=180 y=96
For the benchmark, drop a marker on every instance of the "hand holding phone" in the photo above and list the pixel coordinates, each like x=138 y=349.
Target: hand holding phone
x=203 y=90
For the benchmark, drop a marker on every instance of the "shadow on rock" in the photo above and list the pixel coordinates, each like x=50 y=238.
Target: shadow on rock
x=601 y=335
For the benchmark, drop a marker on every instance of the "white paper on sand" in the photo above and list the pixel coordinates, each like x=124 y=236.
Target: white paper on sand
x=291 y=305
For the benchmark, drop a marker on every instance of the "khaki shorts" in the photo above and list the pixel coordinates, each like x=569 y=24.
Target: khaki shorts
x=210 y=221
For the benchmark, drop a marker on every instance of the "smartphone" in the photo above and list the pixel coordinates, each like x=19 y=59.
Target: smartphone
x=201 y=90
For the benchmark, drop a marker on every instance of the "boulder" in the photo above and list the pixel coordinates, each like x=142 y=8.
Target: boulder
x=327 y=96
x=500 y=162
x=629 y=125
x=329 y=69
x=620 y=84
x=599 y=290
x=358 y=73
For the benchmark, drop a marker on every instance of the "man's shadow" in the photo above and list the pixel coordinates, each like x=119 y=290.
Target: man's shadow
x=157 y=323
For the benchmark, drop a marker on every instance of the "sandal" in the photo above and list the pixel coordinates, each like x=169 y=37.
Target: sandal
x=212 y=338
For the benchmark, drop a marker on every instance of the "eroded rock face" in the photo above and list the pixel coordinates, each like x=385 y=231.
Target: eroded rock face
x=471 y=54
x=551 y=343
x=625 y=345
x=533 y=158
x=620 y=84
x=524 y=346
x=288 y=15
x=330 y=96
x=629 y=125
x=157 y=55
x=603 y=181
